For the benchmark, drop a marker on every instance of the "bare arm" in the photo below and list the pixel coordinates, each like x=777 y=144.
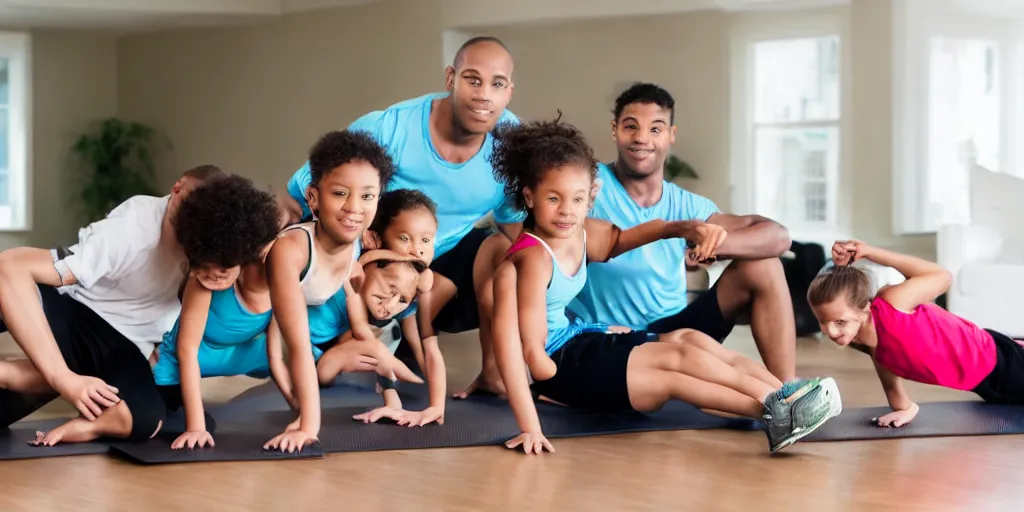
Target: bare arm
x=898 y=398
x=195 y=307
x=533 y=270
x=278 y=368
x=751 y=237
x=358 y=319
x=606 y=240
x=284 y=265
x=925 y=280
x=21 y=271
x=508 y=349
x=437 y=376
x=411 y=333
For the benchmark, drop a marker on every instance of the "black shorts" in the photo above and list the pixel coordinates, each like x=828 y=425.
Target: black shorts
x=592 y=371
x=1005 y=385
x=93 y=347
x=460 y=314
x=703 y=314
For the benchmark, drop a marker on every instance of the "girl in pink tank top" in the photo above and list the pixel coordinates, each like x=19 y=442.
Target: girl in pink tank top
x=908 y=336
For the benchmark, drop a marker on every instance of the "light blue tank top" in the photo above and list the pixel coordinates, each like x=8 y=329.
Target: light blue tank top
x=228 y=324
x=562 y=289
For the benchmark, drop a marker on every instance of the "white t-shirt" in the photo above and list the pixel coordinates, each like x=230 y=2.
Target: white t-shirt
x=123 y=274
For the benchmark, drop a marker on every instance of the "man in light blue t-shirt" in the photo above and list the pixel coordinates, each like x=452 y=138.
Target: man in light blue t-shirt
x=645 y=289
x=441 y=144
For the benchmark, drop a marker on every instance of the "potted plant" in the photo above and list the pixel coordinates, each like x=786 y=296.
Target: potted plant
x=677 y=168
x=117 y=161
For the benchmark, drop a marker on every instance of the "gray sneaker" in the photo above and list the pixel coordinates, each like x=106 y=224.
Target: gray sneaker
x=799 y=408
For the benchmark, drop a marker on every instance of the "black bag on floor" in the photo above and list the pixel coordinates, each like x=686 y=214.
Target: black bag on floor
x=800 y=271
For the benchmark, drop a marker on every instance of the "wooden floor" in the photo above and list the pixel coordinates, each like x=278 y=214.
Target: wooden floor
x=705 y=471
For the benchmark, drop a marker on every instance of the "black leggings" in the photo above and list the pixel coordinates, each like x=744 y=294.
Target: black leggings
x=92 y=347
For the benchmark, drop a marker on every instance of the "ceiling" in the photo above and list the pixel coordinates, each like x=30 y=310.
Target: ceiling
x=137 y=15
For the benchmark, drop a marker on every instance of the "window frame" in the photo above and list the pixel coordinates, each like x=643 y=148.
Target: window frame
x=744 y=35
x=914 y=25
x=16 y=48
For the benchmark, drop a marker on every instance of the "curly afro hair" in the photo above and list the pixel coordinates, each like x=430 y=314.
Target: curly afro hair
x=645 y=93
x=226 y=222
x=523 y=153
x=394 y=202
x=338 y=148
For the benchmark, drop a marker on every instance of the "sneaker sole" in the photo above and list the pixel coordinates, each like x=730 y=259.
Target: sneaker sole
x=832 y=390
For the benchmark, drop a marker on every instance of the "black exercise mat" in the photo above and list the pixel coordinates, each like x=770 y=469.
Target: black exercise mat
x=14 y=442
x=936 y=419
x=478 y=421
x=230 y=446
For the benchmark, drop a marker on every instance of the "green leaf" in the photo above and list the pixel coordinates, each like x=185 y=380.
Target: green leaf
x=115 y=162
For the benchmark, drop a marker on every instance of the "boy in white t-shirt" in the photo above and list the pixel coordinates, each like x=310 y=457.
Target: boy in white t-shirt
x=88 y=318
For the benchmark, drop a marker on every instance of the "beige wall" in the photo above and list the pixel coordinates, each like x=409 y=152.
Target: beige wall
x=580 y=66
x=254 y=99
x=74 y=82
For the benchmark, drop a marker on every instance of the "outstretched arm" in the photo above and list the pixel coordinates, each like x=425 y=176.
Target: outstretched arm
x=606 y=240
x=508 y=350
x=195 y=308
x=278 y=368
x=904 y=410
x=751 y=236
x=285 y=262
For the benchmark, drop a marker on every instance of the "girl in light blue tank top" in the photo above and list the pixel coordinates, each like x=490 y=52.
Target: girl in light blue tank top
x=226 y=308
x=549 y=170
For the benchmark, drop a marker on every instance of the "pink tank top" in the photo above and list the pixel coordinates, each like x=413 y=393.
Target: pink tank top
x=932 y=346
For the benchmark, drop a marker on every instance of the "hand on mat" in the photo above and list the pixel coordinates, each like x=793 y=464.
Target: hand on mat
x=380 y=413
x=898 y=418
x=291 y=442
x=845 y=252
x=531 y=443
x=88 y=394
x=193 y=440
x=424 y=417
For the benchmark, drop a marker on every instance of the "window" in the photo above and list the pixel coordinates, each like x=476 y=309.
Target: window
x=786 y=160
x=14 y=140
x=957 y=80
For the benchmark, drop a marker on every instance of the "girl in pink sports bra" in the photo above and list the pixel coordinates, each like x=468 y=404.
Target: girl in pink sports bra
x=909 y=337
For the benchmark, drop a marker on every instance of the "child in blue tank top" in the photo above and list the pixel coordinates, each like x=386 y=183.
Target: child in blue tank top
x=548 y=169
x=226 y=302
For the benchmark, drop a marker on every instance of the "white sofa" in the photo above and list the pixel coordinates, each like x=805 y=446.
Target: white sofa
x=986 y=257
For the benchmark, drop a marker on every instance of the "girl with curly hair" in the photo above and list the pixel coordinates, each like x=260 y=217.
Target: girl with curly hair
x=549 y=169
x=225 y=311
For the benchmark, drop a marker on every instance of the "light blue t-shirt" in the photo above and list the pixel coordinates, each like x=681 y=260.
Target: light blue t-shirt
x=648 y=283
x=464 y=192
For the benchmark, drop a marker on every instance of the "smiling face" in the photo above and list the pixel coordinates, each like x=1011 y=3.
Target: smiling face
x=412 y=233
x=560 y=202
x=643 y=134
x=345 y=200
x=388 y=290
x=481 y=86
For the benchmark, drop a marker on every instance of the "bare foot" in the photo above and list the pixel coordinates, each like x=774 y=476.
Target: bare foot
x=78 y=430
x=485 y=383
